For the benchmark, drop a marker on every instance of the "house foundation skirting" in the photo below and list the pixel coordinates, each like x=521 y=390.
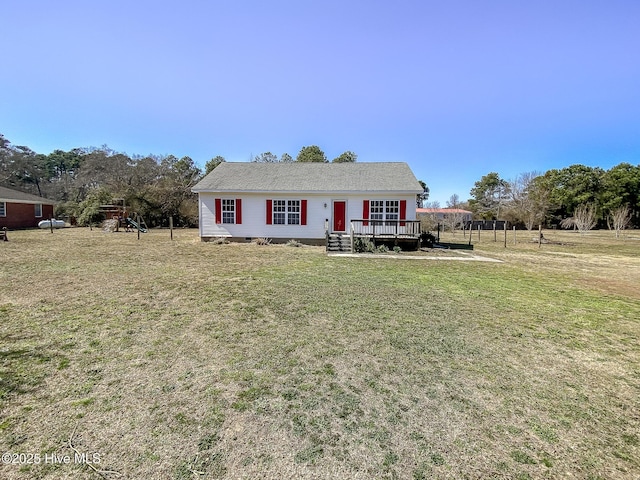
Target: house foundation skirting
x=307 y=241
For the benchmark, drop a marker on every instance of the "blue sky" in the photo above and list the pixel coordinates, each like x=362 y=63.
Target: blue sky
x=456 y=89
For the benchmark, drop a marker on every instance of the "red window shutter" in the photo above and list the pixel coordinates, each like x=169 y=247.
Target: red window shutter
x=218 y=210
x=303 y=212
x=365 y=212
x=269 y=212
x=403 y=211
x=238 y=211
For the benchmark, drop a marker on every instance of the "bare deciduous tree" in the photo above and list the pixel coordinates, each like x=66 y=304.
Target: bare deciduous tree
x=584 y=218
x=620 y=218
x=454 y=201
x=529 y=199
x=428 y=222
x=432 y=204
x=568 y=223
x=453 y=220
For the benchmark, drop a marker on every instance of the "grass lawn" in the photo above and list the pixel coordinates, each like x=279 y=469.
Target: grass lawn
x=186 y=360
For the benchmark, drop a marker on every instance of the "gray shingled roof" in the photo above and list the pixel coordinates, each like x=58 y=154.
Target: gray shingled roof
x=310 y=177
x=8 y=194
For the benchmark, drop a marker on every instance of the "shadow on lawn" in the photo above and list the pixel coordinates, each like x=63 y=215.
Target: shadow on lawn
x=455 y=246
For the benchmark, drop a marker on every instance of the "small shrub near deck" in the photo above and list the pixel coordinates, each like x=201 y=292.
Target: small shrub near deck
x=362 y=245
x=427 y=239
x=262 y=241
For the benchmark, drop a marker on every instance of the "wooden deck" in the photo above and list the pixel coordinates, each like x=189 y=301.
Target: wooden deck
x=386 y=228
x=378 y=231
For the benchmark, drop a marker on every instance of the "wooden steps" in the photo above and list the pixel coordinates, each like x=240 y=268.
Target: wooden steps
x=338 y=243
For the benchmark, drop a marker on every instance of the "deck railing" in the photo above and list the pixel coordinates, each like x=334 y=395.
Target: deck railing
x=385 y=228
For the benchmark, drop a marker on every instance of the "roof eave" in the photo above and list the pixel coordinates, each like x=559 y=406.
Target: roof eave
x=311 y=192
x=33 y=202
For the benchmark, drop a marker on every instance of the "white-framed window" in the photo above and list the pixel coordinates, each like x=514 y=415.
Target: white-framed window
x=384 y=210
x=377 y=210
x=3 y=209
x=38 y=210
x=279 y=212
x=392 y=209
x=293 y=212
x=286 y=212
x=228 y=210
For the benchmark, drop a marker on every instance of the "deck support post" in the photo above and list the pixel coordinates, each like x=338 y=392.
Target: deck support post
x=351 y=235
x=373 y=225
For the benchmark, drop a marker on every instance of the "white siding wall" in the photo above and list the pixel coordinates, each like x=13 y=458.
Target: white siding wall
x=208 y=226
x=254 y=213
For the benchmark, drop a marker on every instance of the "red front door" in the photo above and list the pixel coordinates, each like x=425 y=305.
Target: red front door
x=339 y=216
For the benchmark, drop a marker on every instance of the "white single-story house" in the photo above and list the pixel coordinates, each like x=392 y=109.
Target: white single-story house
x=304 y=201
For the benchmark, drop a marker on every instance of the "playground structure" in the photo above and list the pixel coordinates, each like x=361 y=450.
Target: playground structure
x=130 y=224
x=118 y=212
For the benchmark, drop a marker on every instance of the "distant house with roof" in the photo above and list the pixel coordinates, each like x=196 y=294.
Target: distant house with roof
x=442 y=214
x=23 y=210
x=304 y=201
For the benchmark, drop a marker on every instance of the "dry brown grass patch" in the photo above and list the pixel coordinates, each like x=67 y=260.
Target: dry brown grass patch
x=244 y=361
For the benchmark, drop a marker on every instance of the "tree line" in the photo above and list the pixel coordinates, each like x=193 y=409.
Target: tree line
x=576 y=196
x=154 y=186
x=158 y=186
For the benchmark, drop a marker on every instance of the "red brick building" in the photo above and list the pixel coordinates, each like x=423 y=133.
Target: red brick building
x=23 y=210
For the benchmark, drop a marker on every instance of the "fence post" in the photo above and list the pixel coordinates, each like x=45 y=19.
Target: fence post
x=539 y=235
x=51 y=224
x=171 y=226
x=138 y=227
x=478 y=232
x=505 y=234
x=514 y=234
